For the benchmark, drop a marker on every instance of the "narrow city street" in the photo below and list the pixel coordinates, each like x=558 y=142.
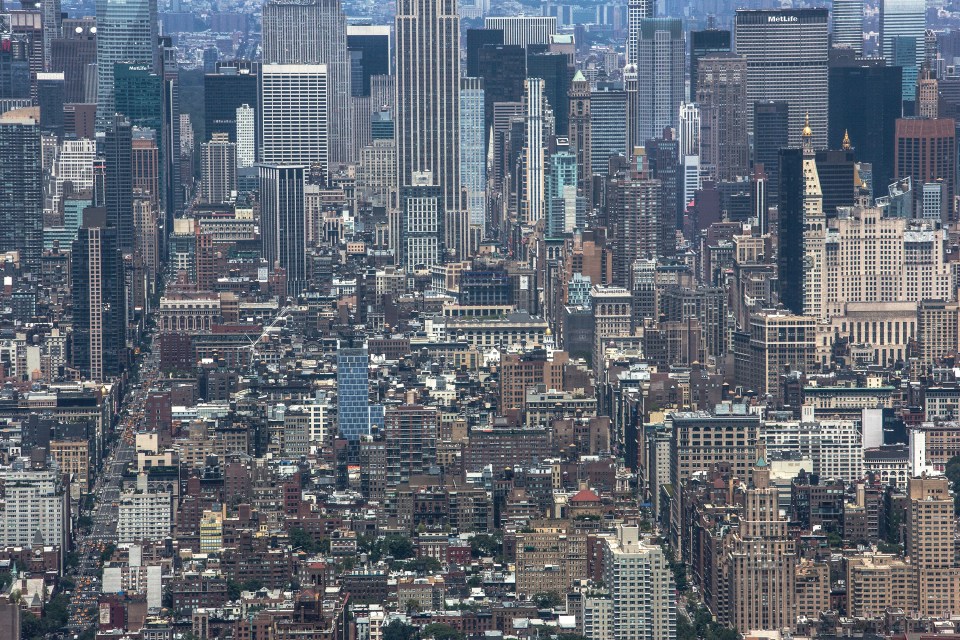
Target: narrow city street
x=91 y=543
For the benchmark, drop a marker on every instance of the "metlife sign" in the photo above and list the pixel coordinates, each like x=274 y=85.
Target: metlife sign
x=783 y=19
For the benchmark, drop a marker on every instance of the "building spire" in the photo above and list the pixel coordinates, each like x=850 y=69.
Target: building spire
x=807 y=134
x=846 y=140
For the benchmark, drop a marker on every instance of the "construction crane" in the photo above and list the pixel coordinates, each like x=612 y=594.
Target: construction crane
x=282 y=315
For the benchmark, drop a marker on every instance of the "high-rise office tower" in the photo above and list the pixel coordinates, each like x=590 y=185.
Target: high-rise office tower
x=145 y=165
x=99 y=306
x=762 y=561
x=565 y=209
x=428 y=104
x=608 y=136
x=902 y=39
x=174 y=192
x=704 y=43
x=233 y=85
x=926 y=151
x=422 y=222
x=632 y=89
x=138 y=95
x=314 y=32
x=662 y=155
x=772 y=123
x=127 y=33
x=293 y=115
x=21 y=190
x=836 y=169
x=930 y=544
x=246 y=136
x=579 y=134
x=637 y=11
x=52 y=21
x=50 y=99
x=722 y=96
x=523 y=30
x=473 y=153
x=865 y=103
x=660 y=69
x=410 y=433
x=356 y=417
x=636 y=209
x=72 y=53
x=801 y=207
x=555 y=71
x=118 y=180
x=369 y=47
x=476 y=40
x=282 y=222
x=643 y=602
x=504 y=72
x=688 y=131
x=847 y=18
x=787 y=54
x=531 y=210
x=218 y=169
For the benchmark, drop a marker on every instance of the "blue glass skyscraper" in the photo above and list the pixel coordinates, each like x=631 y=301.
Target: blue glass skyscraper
x=126 y=32
x=564 y=210
x=357 y=416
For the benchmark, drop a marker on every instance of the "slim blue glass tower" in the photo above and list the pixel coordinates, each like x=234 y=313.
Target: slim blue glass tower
x=356 y=415
x=126 y=32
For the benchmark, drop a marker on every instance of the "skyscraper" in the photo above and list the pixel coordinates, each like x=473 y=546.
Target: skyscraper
x=608 y=136
x=722 y=96
x=369 y=47
x=801 y=205
x=138 y=95
x=246 y=136
x=473 y=153
x=531 y=210
x=99 y=307
x=118 y=180
x=314 y=32
x=762 y=561
x=293 y=114
x=282 y=222
x=555 y=71
x=72 y=53
x=504 y=72
x=422 y=222
x=523 y=30
x=902 y=42
x=218 y=169
x=704 y=43
x=21 y=190
x=410 y=432
x=772 y=123
x=848 y=24
x=126 y=32
x=688 y=132
x=580 y=138
x=565 y=209
x=787 y=55
x=926 y=151
x=476 y=40
x=865 y=103
x=232 y=86
x=637 y=11
x=660 y=70
x=643 y=600
x=428 y=102
x=356 y=417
